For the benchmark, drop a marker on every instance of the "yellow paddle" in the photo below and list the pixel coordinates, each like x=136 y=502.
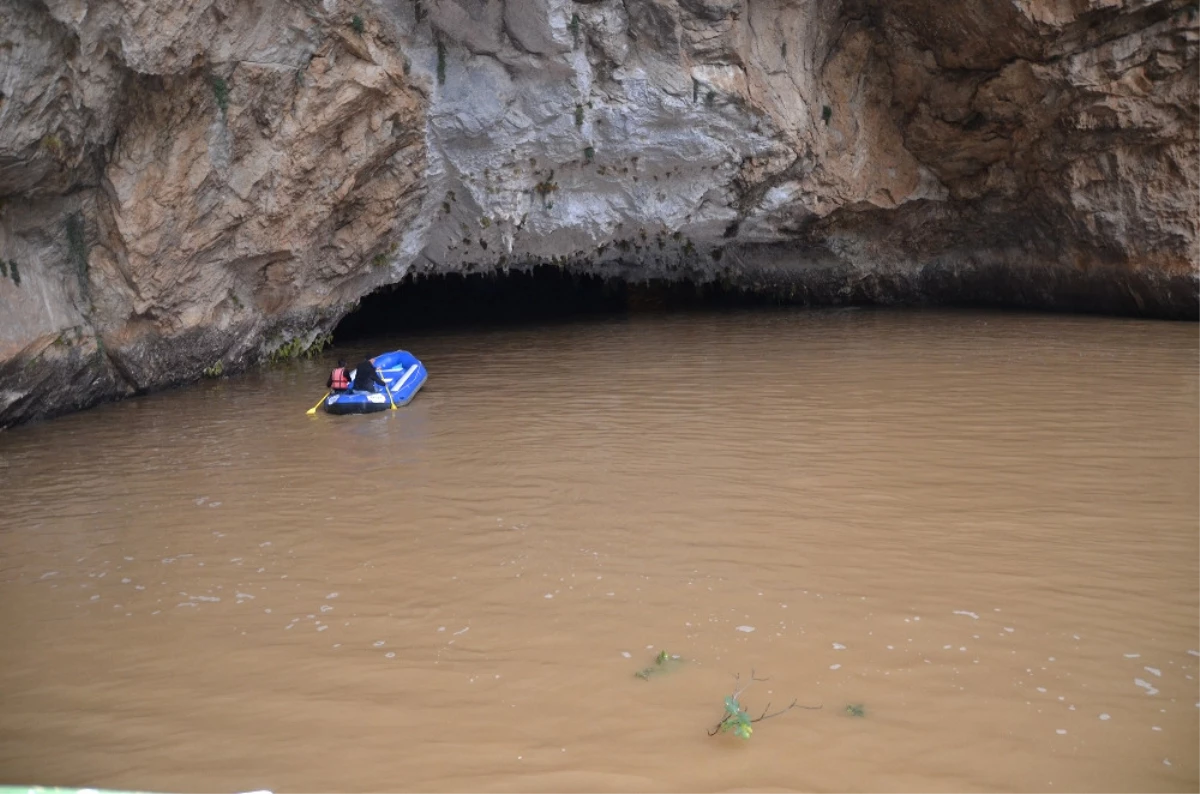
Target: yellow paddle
x=313 y=410
x=387 y=389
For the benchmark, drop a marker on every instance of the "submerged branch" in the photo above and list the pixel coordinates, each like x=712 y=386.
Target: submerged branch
x=733 y=702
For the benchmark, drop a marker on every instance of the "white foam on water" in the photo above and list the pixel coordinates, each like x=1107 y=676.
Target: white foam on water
x=321 y=628
x=441 y=628
x=1009 y=629
x=1061 y=731
x=837 y=646
x=1105 y=717
x=835 y=667
x=94 y=598
x=126 y=580
x=965 y=613
x=1133 y=656
x=626 y=654
x=1042 y=689
x=1166 y=762
x=947 y=647
x=746 y=629
x=1153 y=671
x=331 y=595
x=390 y=655
x=1193 y=652
x=549 y=595
x=1146 y=685
x=243 y=595
x=1155 y=728
x=326 y=608
x=379 y=643
x=463 y=630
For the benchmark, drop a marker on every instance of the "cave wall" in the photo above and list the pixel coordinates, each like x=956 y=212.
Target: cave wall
x=204 y=184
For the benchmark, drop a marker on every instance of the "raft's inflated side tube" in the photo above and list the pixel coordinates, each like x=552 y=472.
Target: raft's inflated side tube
x=401 y=371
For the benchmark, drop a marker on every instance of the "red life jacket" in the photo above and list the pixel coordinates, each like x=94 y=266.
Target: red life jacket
x=340 y=380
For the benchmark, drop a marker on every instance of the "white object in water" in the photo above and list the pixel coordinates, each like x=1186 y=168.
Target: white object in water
x=1146 y=685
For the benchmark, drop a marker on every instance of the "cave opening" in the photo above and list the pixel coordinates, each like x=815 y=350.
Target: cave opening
x=543 y=294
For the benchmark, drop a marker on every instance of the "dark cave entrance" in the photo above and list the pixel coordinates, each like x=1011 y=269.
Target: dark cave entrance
x=544 y=294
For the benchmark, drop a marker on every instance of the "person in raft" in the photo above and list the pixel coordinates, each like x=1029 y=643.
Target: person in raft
x=339 y=379
x=365 y=377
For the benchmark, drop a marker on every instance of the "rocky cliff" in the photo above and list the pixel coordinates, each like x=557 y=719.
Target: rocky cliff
x=198 y=185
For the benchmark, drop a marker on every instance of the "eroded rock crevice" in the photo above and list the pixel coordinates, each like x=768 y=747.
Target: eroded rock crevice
x=199 y=186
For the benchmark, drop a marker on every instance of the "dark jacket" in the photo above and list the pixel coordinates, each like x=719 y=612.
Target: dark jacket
x=365 y=377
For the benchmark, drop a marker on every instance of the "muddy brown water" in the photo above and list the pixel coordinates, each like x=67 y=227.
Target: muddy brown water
x=980 y=527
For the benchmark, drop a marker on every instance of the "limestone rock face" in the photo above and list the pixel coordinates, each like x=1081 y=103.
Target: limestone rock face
x=201 y=184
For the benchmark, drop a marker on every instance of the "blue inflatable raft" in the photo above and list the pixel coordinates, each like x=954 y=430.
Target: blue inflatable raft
x=400 y=370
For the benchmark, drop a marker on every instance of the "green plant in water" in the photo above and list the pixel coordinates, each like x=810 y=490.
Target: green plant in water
x=579 y=115
x=215 y=370
x=441 y=63
x=856 y=710
x=662 y=662
x=589 y=153
x=737 y=719
x=221 y=92
x=357 y=24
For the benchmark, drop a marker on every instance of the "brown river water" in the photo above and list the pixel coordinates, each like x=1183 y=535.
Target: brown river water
x=980 y=528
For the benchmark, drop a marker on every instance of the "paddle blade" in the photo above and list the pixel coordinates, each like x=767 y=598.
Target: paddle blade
x=313 y=410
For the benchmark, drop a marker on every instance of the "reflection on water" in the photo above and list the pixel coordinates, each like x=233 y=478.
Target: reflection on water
x=982 y=528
